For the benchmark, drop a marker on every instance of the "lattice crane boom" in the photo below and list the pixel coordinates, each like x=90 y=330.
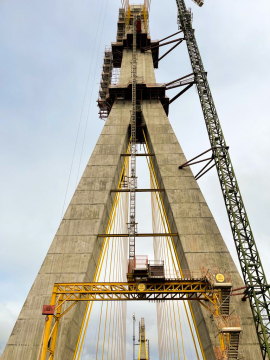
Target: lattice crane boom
x=251 y=266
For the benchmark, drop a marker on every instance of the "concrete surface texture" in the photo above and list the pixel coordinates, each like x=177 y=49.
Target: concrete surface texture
x=75 y=250
x=200 y=243
x=145 y=69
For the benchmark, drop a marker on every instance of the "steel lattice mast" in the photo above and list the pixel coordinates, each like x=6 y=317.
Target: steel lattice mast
x=251 y=266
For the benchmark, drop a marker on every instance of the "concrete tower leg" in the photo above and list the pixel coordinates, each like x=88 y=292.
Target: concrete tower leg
x=200 y=243
x=75 y=250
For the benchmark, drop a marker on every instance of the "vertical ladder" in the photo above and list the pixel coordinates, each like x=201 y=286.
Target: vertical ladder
x=133 y=150
x=234 y=345
x=225 y=301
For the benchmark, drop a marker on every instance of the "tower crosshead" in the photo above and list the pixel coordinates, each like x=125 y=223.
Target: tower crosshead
x=188 y=246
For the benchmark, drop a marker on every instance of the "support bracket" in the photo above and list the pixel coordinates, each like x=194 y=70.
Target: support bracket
x=181 y=92
x=184 y=80
x=171 y=49
x=204 y=170
x=158 y=45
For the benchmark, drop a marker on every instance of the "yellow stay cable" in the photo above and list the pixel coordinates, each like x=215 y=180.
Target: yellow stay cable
x=140 y=348
x=107 y=305
x=145 y=348
x=99 y=329
x=157 y=225
x=176 y=332
x=101 y=310
x=164 y=212
x=116 y=345
x=168 y=303
x=116 y=356
x=113 y=337
x=183 y=347
x=175 y=267
x=116 y=276
x=88 y=312
x=116 y=330
x=171 y=338
x=111 y=303
x=177 y=341
x=156 y=256
x=101 y=258
x=117 y=226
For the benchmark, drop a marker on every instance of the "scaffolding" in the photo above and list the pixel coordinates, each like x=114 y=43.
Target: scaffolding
x=115 y=76
x=121 y=26
x=105 y=82
x=125 y=4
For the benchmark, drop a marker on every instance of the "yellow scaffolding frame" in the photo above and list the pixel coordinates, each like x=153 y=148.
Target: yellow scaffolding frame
x=194 y=290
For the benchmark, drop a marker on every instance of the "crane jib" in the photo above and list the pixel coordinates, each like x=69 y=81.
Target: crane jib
x=248 y=255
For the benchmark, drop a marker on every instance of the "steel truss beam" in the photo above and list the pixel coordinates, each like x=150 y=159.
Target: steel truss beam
x=168 y=290
x=66 y=295
x=139 y=235
x=137 y=190
x=251 y=266
x=138 y=154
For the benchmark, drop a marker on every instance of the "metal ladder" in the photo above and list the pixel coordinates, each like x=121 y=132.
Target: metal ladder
x=133 y=149
x=225 y=301
x=233 y=352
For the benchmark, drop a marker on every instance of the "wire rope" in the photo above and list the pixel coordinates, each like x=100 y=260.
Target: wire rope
x=181 y=331
x=90 y=102
x=81 y=115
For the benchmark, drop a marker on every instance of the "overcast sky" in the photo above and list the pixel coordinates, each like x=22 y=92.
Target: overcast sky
x=47 y=48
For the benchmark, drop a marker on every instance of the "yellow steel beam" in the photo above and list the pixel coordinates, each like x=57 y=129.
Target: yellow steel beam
x=139 y=235
x=168 y=290
x=197 y=290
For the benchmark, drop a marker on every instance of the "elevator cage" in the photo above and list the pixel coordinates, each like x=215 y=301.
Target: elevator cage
x=141 y=268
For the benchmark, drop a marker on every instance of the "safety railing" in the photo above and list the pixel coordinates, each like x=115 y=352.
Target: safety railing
x=230 y=321
x=216 y=275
